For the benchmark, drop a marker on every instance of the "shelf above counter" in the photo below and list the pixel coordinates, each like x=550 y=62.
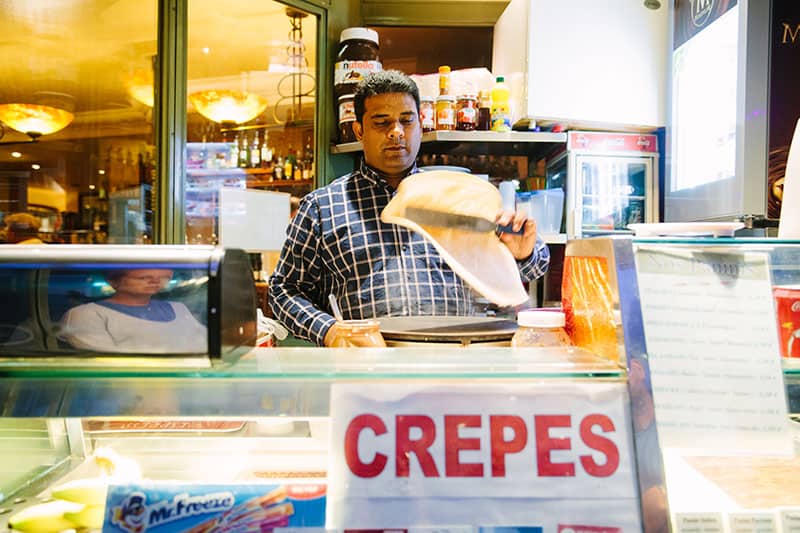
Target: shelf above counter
x=472 y=137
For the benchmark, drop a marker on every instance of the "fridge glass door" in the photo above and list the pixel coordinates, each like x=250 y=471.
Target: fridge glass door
x=614 y=193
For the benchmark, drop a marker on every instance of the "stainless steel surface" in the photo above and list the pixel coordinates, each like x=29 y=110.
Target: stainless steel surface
x=472 y=136
x=443 y=219
x=454 y=329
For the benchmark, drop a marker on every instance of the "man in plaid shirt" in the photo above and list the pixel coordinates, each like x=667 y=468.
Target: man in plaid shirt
x=336 y=244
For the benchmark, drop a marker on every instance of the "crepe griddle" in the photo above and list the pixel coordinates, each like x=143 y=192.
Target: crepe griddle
x=463 y=329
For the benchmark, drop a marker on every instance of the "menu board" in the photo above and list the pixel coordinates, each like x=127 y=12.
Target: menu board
x=712 y=345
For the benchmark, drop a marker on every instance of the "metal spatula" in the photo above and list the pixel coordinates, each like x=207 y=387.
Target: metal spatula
x=443 y=219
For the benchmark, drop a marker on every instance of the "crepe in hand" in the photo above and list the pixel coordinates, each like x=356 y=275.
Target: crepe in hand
x=479 y=257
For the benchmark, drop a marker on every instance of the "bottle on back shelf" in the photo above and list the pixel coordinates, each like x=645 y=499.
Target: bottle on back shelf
x=244 y=153
x=484 y=111
x=501 y=106
x=255 y=152
x=266 y=152
x=444 y=80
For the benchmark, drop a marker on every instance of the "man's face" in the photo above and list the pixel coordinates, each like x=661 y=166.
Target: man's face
x=390 y=132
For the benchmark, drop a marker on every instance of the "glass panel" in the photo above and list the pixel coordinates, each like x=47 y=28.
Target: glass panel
x=29 y=450
x=613 y=193
x=83 y=70
x=250 y=121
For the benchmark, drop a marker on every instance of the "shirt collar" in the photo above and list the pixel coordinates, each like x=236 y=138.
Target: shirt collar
x=376 y=177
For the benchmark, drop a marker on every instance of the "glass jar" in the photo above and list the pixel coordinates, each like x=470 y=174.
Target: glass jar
x=467 y=112
x=347 y=116
x=445 y=112
x=358 y=334
x=427 y=114
x=540 y=328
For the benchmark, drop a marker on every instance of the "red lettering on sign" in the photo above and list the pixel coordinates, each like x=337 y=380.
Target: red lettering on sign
x=453 y=467
x=354 y=428
x=404 y=446
x=501 y=447
x=601 y=444
x=545 y=444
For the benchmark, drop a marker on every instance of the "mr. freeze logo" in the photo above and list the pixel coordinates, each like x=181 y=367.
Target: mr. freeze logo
x=135 y=516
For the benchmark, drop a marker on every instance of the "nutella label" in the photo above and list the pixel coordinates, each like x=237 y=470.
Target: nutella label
x=353 y=71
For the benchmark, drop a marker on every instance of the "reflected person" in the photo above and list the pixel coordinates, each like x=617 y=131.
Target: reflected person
x=132 y=321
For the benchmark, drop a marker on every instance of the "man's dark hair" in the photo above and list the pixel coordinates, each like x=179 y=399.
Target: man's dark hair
x=382 y=82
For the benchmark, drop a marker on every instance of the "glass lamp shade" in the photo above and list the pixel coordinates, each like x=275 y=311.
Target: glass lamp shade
x=228 y=106
x=36 y=119
x=140 y=86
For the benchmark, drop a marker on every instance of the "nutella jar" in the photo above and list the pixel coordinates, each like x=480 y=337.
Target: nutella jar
x=358 y=56
x=427 y=114
x=347 y=116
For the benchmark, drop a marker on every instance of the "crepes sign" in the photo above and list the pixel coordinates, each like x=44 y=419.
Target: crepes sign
x=413 y=444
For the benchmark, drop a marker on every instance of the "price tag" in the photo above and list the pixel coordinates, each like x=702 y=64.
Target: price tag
x=752 y=522
x=698 y=523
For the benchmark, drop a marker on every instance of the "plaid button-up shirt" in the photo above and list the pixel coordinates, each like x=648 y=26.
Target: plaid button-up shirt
x=337 y=244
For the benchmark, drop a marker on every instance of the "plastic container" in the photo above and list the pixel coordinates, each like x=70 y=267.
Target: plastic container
x=501 y=106
x=508 y=192
x=358 y=334
x=546 y=207
x=540 y=328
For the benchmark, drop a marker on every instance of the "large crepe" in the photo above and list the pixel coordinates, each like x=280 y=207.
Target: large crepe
x=480 y=258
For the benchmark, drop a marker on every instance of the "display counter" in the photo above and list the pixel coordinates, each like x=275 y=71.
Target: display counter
x=598 y=438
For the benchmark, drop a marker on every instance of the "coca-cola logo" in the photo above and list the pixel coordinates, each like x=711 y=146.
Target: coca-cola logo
x=796 y=307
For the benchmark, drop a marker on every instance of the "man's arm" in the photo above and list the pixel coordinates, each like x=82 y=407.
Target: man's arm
x=295 y=286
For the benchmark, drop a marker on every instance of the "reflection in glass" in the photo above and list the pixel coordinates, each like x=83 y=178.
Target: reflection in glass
x=119 y=310
x=251 y=106
x=73 y=58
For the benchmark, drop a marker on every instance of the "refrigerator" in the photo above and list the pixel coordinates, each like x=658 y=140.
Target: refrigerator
x=609 y=179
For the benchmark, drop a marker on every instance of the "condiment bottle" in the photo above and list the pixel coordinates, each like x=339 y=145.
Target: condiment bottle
x=484 y=111
x=444 y=80
x=501 y=106
x=540 y=328
x=427 y=114
x=358 y=334
x=467 y=112
x=445 y=112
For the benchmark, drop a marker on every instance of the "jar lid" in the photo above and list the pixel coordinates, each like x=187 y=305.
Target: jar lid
x=445 y=98
x=362 y=34
x=346 y=96
x=468 y=97
x=541 y=319
x=426 y=98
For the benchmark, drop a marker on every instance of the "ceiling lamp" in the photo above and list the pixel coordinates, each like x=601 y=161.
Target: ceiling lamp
x=228 y=106
x=35 y=120
x=140 y=86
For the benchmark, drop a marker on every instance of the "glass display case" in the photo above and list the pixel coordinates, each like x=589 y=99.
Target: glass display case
x=449 y=438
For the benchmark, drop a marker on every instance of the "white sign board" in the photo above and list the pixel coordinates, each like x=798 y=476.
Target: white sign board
x=253 y=220
x=712 y=343
x=551 y=455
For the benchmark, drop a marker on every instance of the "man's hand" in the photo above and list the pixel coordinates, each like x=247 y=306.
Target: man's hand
x=521 y=246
